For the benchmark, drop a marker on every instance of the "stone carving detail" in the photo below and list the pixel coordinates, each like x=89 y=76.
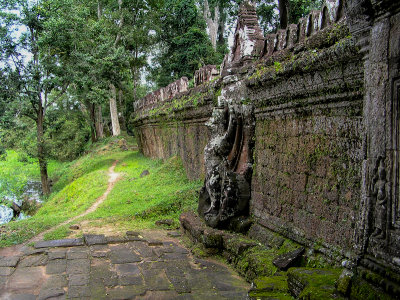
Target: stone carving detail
x=161 y=95
x=205 y=74
x=248 y=40
x=228 y=155
x=228 y=161
x=379 y=191
x=396 y=155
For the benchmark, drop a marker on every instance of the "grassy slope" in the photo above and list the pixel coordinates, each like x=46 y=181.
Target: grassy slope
x=133 y=203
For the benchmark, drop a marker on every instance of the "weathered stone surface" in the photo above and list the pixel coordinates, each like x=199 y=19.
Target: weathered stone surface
x=174 y=234
x=175 y=276
x=56 y=266
x=287 y=260
x=124 y=255
x=94 y=239
x=78 y=292
x=167 y=222
x=50 y=293
x=308 y=283
x=59 y=243
x=34 y=261
x=126 y=292
x=28 y=279
x=21 y=297
x=75 y=227
x=132 y=233
x=6 y=271
x=78 y=279
x=144 y=173
x=78 y=266
x=154 y=243
x=11 y=261
x=156 y=280
x=56 y=281
x=56 y=255
x=192 y=223
x=115 y=239
x=77 y=255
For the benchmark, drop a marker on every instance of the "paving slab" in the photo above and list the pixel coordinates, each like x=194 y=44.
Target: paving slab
x=11 y=261
x=60 y=243
x=34 y=261
x=56 y=266
x=94 y=239
x=6 y=271
x=71 y=269
x=26 y=279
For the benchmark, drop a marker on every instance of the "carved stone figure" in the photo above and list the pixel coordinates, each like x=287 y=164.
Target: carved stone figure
x=226 y=190
x=380 y=193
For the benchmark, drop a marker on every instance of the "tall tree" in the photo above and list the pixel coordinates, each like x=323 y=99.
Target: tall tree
x=31 y=77
x=184 y=44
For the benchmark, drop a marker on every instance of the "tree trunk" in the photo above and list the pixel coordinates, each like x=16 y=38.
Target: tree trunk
x=99 y=122
x=114 y=112
x=121 y=109
x=283 y=6
x=92 y=117
x=221 y=29
x=212 y=24
x=41 y=151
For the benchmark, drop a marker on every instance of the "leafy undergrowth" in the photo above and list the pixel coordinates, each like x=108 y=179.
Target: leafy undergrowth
x=135 y=202
x=16 y=168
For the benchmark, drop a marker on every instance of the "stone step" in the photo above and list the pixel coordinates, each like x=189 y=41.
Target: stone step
x=274 y=287
x=313 y=284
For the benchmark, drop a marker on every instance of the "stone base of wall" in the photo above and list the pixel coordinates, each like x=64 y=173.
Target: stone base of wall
x=279 y=268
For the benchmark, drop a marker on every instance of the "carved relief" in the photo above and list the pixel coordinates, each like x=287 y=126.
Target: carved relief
x=379 y=191
x=395 y=155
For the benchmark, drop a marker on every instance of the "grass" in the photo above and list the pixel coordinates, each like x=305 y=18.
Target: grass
x=164 y=193
x=133 y=203
x=17 y=168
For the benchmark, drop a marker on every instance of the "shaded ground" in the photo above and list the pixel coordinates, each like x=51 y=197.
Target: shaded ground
x=132 y=267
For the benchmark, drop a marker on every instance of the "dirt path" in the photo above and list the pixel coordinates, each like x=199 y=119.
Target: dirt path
x=17 y=249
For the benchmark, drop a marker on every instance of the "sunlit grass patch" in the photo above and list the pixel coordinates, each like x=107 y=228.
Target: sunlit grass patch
x=164 y=193
x=134 y=203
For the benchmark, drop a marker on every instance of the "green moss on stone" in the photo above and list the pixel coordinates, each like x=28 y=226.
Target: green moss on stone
x=273 y=287
x=362 y=290
x=318 y=283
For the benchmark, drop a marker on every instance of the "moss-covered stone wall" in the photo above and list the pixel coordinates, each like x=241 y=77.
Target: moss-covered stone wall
x=308 y=145
x=308 y=139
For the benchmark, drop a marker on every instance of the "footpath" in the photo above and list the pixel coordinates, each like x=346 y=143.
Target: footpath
x=134 y=266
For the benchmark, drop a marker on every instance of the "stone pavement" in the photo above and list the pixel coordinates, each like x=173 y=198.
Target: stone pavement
x=131 y=267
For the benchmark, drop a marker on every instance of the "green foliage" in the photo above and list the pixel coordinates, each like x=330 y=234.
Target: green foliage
x=16 y=170
x=186 y=45
x=67 y=136
x=300 y=8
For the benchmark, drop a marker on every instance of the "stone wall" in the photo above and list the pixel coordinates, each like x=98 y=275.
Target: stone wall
x=177 y=127
x=326 y=150
x=308 y=145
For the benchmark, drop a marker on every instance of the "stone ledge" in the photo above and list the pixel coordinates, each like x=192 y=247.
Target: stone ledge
x=60 y=243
